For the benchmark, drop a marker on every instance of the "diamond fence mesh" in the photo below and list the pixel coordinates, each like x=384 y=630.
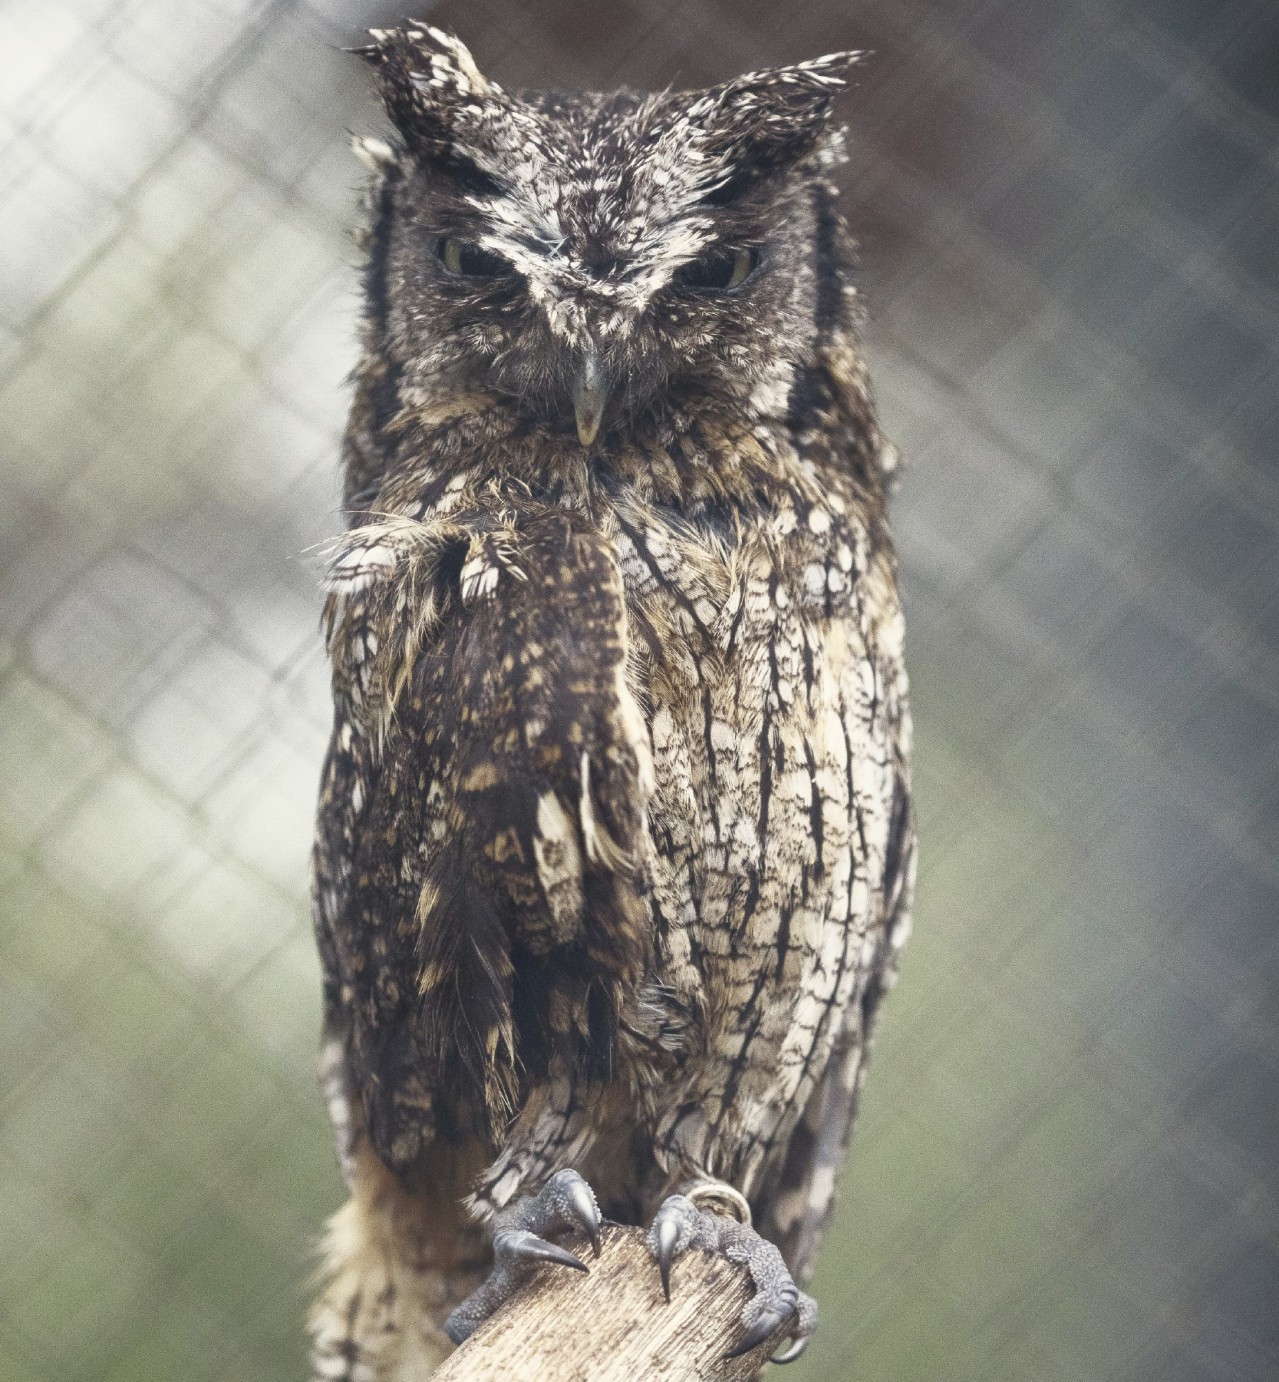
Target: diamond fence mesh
x=1066 y=1165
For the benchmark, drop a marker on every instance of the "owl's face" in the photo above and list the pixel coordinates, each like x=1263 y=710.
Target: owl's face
x=599 y=258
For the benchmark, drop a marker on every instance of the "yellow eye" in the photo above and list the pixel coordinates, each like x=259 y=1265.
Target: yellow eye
x=466 y=260
x=743 y=263
x=719 y=270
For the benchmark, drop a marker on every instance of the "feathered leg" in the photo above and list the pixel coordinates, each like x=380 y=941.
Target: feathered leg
x=525 y=1197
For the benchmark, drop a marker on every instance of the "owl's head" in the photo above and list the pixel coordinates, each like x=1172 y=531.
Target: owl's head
x=599 y=258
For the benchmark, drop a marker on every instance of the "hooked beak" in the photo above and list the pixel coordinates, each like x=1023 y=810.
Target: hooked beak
x=590 y=394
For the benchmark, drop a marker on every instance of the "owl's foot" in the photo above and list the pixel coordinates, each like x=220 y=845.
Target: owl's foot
x=564 y=1203
x=680 y=1226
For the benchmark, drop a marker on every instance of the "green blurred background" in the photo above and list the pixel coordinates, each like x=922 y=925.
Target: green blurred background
x=1066 y=1164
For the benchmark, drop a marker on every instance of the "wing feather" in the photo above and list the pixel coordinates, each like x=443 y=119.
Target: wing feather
x=501 y=855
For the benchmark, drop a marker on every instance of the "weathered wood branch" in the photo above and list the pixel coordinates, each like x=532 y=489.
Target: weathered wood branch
x=613 y=1325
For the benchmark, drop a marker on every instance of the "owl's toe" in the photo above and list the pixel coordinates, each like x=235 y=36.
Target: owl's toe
x=680 y=1226
x=564 y=1204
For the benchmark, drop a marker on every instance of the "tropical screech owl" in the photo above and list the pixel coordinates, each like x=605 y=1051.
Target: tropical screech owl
x=615 y=843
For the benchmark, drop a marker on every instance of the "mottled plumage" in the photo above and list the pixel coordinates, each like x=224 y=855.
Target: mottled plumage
x=615 y=844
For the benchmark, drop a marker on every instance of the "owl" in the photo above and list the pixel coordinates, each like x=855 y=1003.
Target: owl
x=615 y=846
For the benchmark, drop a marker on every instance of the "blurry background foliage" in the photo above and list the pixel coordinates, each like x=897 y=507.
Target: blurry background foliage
x=1066 y=1165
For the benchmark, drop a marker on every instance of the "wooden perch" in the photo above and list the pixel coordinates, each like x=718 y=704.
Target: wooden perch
x=613 y=1325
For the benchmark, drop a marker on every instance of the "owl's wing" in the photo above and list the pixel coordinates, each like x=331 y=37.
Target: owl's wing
x=493 y=916
x=345 y=784
x=797 y=1204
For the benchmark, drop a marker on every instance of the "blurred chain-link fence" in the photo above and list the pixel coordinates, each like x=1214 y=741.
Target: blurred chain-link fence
x=1066 y=1167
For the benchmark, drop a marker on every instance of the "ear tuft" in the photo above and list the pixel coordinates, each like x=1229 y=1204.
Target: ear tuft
x=765 y=120
x=451 y=68
x=429 y=84
x=830 y=72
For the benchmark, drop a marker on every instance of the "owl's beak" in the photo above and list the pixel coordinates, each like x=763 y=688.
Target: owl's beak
x=590 y=393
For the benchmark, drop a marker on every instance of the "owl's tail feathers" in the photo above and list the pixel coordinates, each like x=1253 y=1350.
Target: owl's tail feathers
x=372 y=1320
x=389 y=1274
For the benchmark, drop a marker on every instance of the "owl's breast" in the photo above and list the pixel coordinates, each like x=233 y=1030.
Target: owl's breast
x=771 y=670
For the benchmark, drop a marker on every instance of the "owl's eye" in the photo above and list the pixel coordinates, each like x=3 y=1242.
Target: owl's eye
x=466 y=260
x=719 y=270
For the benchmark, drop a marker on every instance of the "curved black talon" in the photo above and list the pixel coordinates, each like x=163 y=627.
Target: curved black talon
x=758 y=1332
x=582 y=1199
x=667 y=1233
x=789 y=1355
x=528 y=1247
